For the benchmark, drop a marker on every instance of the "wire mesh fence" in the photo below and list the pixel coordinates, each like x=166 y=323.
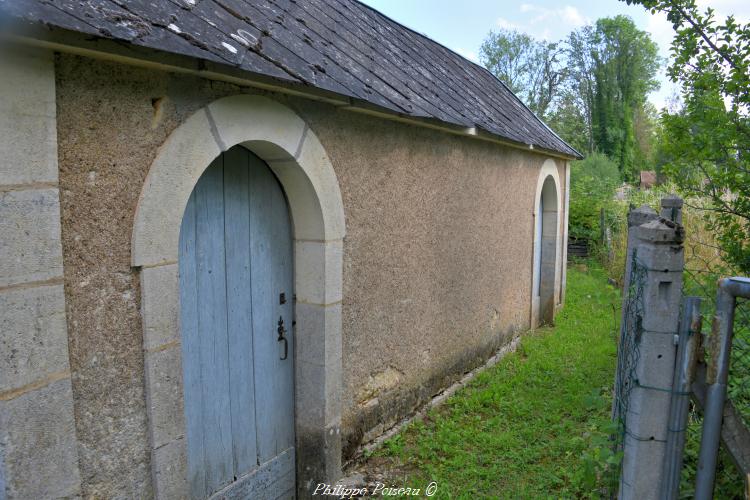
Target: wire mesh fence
x=701 y=276
x=704 y=266
x=628 y=354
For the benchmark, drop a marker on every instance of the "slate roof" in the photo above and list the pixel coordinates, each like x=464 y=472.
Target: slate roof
x=341 y=46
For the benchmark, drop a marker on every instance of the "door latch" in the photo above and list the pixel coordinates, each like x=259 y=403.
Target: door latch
x=282 y=332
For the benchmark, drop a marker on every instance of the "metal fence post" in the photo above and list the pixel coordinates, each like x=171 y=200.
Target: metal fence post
x=716 y=378
x=687 y=351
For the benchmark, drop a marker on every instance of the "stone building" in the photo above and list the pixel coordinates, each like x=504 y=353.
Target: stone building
x=239 y=238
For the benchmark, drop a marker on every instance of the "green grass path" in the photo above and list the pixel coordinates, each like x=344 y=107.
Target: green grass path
x=532 y=426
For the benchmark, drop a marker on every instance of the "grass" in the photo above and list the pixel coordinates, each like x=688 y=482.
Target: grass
x=533 y=426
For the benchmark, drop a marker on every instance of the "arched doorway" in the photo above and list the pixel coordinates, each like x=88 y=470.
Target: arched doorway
x=545 y=266
x=300 y=165
x=236 y=290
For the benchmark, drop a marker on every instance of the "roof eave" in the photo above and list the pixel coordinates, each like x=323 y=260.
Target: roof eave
x=73 y=42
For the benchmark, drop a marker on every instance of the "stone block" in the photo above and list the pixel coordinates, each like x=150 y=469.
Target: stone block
x=314 y=161
x=318 y=268
x=28 y=129
x=641 y=215
x=310 y=404
x=317 y=334
x=160 y=305
x=318 y=363
x=33 y=335
x=309 y=223
x=671 y=208
x=269 y=122
x=661 y=302
x=169 y=465
x=175 y=171
x=30 y=248
x=659 y=232
x=38 y=443
x=660 y=258
x=320 y=452
x=166 y=407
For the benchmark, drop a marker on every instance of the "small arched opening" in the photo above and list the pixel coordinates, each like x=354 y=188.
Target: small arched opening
x=546 y=247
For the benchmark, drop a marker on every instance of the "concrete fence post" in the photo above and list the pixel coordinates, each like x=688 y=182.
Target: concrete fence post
x=655 y=249
x=636 y=217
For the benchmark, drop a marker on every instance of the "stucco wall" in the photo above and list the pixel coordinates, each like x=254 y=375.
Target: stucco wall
x=437 y=257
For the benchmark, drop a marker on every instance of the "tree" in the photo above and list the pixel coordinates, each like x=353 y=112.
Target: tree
x=592 y=184
x=602 y=105
x=530 y=68
x=625 y=62
x=582 y=86
x=571 y=121
x=706 y=145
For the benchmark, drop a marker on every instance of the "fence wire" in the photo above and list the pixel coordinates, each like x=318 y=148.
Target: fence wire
x=628 y=354
x=704 y=266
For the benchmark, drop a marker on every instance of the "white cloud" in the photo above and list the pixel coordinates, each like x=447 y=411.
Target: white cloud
x=739 y=8
x=505 y=24
x=468 y=54
x=570 y=15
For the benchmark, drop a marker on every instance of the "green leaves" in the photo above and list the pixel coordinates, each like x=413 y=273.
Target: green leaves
x=592 y=185
x=706 y=145
x=530 y=68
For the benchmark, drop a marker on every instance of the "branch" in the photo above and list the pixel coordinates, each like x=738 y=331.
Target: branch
x=703 y=35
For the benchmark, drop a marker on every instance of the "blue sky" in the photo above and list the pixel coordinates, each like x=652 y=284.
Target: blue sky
x=461 y=25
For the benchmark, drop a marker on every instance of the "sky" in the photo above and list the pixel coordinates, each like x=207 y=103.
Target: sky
x=461 y=25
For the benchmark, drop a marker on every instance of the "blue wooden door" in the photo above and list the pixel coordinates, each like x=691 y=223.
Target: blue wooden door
x=236 y=297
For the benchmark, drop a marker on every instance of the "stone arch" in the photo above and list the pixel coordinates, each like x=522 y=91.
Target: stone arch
x=545 y=264
x=292 y=151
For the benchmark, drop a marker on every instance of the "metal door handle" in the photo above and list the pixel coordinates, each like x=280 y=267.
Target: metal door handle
x=282 y=331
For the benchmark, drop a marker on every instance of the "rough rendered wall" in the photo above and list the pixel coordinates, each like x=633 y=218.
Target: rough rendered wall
x=437 y=257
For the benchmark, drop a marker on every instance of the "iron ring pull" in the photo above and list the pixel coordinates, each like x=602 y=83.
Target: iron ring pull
x=282 y=331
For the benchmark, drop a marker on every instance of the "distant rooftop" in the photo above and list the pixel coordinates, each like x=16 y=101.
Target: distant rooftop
x=339 y=46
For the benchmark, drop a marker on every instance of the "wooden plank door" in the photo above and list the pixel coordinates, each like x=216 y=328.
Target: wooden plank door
x=236 y=294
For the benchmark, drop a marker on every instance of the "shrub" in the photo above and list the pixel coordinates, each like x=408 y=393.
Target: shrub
x=593 y=182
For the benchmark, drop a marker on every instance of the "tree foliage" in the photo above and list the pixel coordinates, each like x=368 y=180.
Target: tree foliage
x=590 y=87
x=706 y=145
x=530 y=68
x=625 y=62
x=592 y=182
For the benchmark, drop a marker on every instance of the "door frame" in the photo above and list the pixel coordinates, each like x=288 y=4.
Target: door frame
x=285 y=142
x=551 y=273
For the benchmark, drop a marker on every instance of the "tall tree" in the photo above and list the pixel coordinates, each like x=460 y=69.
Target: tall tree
x=625 y=61
x=707 y=143
x=581 y=84
x=530 y=68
